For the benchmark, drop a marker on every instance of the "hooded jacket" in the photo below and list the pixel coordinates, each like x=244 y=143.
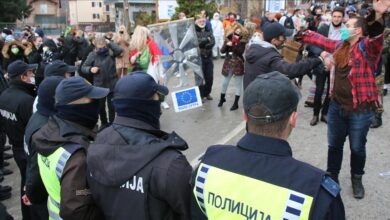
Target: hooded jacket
x=217 y=26
x=56 y=133
x=263 y=57
x=9 y=57
x=138 y=172
x=106 y=77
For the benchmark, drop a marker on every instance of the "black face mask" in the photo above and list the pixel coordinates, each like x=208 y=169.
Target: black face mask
x=121 y=32
x=148 y=111
x=338 y=25
x=86 y=115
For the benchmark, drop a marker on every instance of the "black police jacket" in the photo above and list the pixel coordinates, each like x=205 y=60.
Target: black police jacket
x=15 y=109
x=35 y=189
x=270 y=160
x=138 y=172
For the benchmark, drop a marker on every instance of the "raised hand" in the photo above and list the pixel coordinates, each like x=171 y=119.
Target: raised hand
x=381 y=6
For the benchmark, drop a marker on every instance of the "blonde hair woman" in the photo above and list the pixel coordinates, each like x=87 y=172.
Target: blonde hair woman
x=144 y=50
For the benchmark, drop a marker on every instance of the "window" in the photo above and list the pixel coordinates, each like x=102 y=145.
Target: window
x=108 y=18
x=100 y=4
x=93 y=4
x=98 y=16
x=94 y=16
x=107 y=7
x=43 y=8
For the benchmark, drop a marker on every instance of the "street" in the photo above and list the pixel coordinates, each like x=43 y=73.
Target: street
x=210 y=125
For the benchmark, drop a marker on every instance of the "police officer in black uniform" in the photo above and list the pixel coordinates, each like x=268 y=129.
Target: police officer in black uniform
x=136 y=170
x=16 y=104
x=258 y=178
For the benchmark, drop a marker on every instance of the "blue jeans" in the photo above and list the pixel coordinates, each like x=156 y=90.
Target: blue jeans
x=226 y=80
x=341 y=124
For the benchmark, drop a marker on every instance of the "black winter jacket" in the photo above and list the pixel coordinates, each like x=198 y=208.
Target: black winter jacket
x=106 y=77
x=16 y=109
x=9 y=57
x=138 y=172
x=262 y=57
x=206 y=41
x=35 y=190
x=69 y=52
x=34 y=57
x=56 y=133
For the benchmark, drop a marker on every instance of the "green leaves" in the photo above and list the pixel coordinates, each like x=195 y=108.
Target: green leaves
x=13 y=10
x=193 y=7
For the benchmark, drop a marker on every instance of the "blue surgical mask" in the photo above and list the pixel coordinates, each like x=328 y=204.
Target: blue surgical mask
x=102 y=51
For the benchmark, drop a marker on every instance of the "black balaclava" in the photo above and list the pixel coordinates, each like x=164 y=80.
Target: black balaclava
x=86 y=115
x=146 y=110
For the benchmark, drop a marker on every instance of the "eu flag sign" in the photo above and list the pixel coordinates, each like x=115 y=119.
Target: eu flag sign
x=186 y=99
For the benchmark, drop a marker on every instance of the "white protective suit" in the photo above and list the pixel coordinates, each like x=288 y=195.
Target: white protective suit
x=218 y=33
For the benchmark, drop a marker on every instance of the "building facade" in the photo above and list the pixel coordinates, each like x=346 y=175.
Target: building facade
x=46 y=13
x=246 y=8
x=91 y=14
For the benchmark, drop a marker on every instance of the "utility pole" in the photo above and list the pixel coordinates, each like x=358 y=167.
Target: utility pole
x=126 y=20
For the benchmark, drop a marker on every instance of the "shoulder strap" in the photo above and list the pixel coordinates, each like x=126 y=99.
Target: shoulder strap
x=362 y=48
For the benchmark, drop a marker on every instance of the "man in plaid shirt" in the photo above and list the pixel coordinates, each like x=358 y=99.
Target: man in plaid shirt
x=355 y=95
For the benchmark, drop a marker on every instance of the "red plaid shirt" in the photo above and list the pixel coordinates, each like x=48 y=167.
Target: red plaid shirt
x=362 y=75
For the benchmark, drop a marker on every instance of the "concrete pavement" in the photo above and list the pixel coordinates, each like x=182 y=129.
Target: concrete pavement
x=209 y=124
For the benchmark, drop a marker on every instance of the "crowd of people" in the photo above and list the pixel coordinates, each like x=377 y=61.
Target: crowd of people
x=82 y=116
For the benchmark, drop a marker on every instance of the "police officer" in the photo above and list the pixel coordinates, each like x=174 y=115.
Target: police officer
x=16 y=108
x=36 y=194
x=258 y=178
x=136 y=170
x=62 y=145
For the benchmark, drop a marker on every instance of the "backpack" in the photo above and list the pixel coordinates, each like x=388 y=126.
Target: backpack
x=289 y=23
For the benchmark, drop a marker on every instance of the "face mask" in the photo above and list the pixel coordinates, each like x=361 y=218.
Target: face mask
x=86 y=115
x=336 y=25
x=202 y=25
x=347 y=33
x=148 y=111
x=15 y=50
x=45 y=49
x=32 y=80
x=121 y=32
x=231 y=19
x=102 y=51
x=3 y=35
